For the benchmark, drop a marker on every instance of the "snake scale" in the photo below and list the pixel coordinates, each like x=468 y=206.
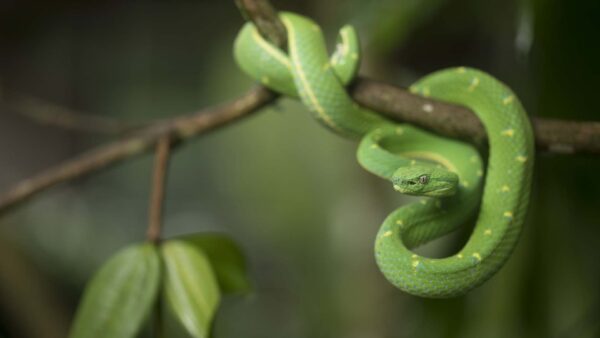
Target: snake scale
x=448 y=174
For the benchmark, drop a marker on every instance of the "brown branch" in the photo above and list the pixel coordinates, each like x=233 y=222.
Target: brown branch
x=177 y=129
x=48 y=113
x=551 y=135
x=159 y=179
x=264 y=16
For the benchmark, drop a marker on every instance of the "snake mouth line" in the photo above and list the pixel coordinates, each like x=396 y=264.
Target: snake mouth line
x=444 y=189
x=442 y=192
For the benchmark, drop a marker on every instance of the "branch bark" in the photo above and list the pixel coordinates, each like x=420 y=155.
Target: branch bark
x=551 y=135
x=157 y=198
x=48 y=113
x=264 y=16
x=178 y=129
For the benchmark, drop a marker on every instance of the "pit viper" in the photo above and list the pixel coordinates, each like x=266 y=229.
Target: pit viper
x=448 y=174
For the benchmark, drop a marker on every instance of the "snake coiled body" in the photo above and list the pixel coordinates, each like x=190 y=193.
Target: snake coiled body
x=449 y=174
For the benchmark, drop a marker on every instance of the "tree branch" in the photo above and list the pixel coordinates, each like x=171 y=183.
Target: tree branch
x=48 y=113
x=551 y=135
x=178 y=129
x=264 y=16
x=159 y=179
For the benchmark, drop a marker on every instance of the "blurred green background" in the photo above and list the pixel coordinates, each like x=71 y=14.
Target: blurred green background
x=290 y=192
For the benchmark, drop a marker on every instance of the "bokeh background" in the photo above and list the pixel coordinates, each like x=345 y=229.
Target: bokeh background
x=290 y=192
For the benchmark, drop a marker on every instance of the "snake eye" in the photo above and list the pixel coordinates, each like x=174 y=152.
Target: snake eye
x=423 y=179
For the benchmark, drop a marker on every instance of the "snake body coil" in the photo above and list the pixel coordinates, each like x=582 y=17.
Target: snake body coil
x=448 y=173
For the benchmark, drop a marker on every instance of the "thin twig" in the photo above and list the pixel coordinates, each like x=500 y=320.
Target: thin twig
x=157 y=198
x=177 y=129
x=551 y=135
x=155 y=215
x=48 y=113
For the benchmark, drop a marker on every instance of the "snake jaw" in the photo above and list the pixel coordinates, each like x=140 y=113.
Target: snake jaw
x=442 y=192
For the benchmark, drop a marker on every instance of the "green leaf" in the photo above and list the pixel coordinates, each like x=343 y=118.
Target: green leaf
x=227 y=261
x=190 y=287
x=119 y=297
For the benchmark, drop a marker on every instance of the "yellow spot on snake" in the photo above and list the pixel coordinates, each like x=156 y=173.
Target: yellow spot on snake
x=487 y=232
x=415 y=264
x=354 y=56
x=474 y=84
x=374 y=146
x=461 y=70
x=505 y=188
x=413 y=89
x=477 y=256
x=521 y=159
x=387 y=233
x=508 y=132
x=459 y=255
x=414 y=256
x=426 y=91
x=265 y=80
x=399 y=131
x=423 y=202
x=507 y=100
x=399 y=222
x=465 y=183
x=508 y=214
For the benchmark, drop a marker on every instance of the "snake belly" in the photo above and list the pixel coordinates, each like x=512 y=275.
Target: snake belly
x=307 y=72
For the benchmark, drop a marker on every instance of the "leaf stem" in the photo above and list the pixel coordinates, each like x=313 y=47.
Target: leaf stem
x=155 y=212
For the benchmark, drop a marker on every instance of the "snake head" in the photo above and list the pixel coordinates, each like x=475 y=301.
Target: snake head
x=425 y=181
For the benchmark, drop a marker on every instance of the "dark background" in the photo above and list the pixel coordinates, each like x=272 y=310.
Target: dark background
x=289 y=191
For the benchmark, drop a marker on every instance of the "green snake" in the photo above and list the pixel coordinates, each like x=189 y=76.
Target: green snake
x=449 y=174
